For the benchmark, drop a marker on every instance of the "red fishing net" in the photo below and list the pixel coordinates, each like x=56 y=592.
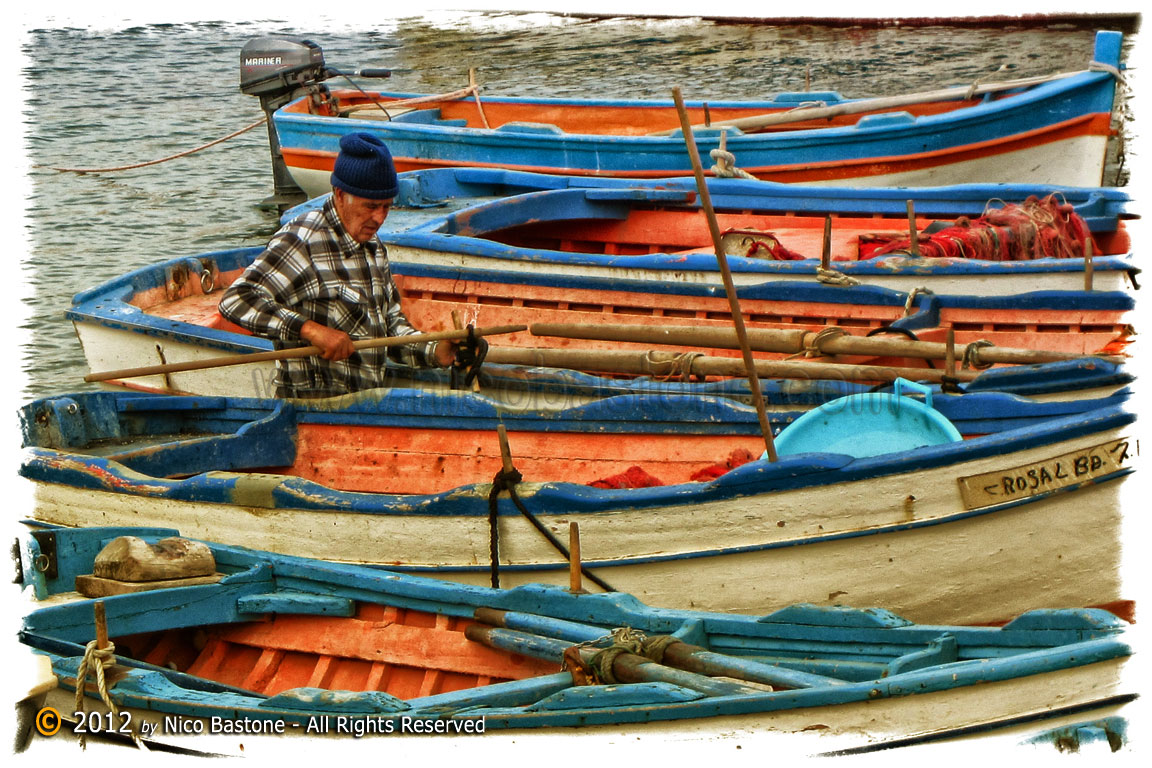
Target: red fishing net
x=635 y=477
x=1035 y=229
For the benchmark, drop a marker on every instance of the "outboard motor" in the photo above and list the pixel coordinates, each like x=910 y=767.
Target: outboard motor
x=272 y=67
x=279 y=70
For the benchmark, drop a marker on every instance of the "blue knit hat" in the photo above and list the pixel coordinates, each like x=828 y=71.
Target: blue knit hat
x=364 y=168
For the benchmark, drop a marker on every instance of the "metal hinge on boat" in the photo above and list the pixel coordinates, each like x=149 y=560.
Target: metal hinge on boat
x=46 y=561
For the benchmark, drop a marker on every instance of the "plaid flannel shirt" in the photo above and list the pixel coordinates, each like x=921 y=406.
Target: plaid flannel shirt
x=313 y=270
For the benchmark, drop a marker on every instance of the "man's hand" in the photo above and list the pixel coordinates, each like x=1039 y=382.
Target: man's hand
x=444 y=353
x=333 y=344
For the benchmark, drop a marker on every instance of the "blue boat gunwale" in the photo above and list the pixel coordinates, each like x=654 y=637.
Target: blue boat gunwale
x=894 y=265
x=657 y=708
x=108 y=303
x=247 y=569
x=1101 y=207
x=475 y=225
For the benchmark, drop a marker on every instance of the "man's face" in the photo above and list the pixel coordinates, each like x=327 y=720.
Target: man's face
x=359 y=215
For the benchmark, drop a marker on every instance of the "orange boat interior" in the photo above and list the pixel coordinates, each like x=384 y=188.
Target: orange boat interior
x=429 y=303
x=648 y=231
x=421 y=461
x=402 y=652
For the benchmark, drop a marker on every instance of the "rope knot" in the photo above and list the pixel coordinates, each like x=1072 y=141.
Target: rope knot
x=725 y=165
x=677 y=367
x=950 y=385
x=95 y=661
x=972 y=355
x=813 y=348
x=506 y=479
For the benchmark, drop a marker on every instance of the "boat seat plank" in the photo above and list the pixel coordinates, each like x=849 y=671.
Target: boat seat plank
x=298 y=603
x=392 y=114
x=267 y=441
x=530 y=128
x=97 y=586
x=427 y=116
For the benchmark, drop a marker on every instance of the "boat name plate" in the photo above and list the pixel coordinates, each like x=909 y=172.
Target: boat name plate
x=1044 y=476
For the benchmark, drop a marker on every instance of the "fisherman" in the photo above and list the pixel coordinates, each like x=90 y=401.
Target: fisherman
x=324 y=280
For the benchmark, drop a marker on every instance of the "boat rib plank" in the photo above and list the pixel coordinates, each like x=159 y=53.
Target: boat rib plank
x=264 y=670
x=323 y=673
x=377 y=677
x=433 y=679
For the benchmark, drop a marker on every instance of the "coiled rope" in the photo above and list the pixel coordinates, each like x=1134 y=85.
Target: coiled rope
x=598 y=670
x=233 y=135
x=834 y=277
x=813 y=347
x=677 y=368
x=971 y=357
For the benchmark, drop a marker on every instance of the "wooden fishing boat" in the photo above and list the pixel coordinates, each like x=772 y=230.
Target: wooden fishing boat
x=1050 y=130
x=657 y=234
x=670 y=506
x=167 y=312
x=268 y=644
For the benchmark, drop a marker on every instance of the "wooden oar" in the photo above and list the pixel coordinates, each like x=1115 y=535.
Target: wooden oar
x=793 y=342
x=463 y=93
x=800 y=114
x=288 y=354
x=659 y=364
x=726 y=275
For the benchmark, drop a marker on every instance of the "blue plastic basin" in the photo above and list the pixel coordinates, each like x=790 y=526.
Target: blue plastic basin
x=868 y=424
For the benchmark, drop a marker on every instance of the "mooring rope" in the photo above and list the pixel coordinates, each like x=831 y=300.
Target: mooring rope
x=507 y=481
x=232 y=135
x=918 y=291
x=1097 y=66
x=96 y=660
x=833 y=277
x=725 y=166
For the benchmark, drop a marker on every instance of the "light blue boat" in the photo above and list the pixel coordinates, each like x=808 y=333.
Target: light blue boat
x=268 y=644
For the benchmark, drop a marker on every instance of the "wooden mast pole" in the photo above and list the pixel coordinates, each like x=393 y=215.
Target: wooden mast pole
x=726 y=274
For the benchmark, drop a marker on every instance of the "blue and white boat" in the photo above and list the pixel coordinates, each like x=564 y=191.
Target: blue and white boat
x=1050 y=130
x=446 y=254
x=671 y=502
